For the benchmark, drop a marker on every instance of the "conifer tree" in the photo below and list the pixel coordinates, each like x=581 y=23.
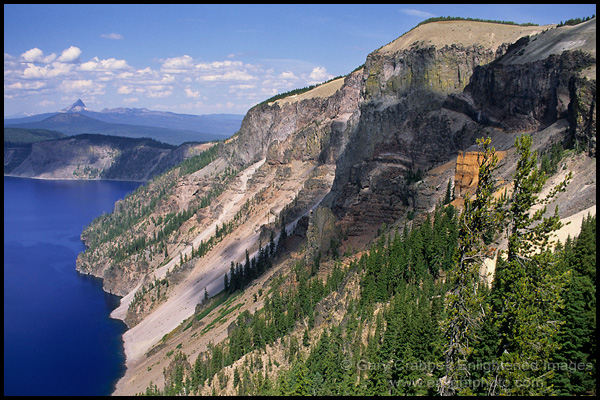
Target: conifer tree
x=449 y=196
x=529 y=283
x=578 y=336
x=226 y=282
x=464 y=303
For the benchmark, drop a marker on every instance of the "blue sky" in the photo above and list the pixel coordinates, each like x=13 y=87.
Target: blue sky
x=205 y=59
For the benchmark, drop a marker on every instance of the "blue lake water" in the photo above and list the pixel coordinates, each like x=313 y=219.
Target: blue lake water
x=58 y=337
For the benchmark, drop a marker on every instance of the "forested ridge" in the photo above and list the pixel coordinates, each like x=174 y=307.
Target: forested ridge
x=415 y=315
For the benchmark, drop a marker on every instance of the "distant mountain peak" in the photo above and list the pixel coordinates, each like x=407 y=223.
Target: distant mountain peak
x=78 y=106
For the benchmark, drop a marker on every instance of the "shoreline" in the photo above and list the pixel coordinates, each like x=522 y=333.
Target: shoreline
x=74 y=179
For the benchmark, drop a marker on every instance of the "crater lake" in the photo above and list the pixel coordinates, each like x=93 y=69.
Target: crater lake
x=58 y=336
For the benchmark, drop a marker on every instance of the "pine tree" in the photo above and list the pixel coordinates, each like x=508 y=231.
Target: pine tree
x=464 y=302
x=225 y=283
x=529 y=283
x=578 y=336
x=449 y=193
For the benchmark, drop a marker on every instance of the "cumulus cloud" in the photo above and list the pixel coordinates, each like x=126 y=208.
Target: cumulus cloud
x=70 y=55
x=124 y=90
x=319 y=74
x=178 y=65
x=25 y=85
x=87 y=86
x=36 y=55
x=219 y=64
x=227 y=76
x=49 y=71
x=190 y=93
x=243 y=86
x=287 y=75
x=46 y=103
x=182 y=77
x=114 y=36
x=158 y=91
x=110 y=64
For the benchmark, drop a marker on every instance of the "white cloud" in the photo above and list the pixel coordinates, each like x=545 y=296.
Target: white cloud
x=145 y=71
x=243 y=86
x=46 y=103
x=35 y=85
x=70 y=55
x=227 y=76
x=114 y=36
x=287 y=75
x=36 y=55
x=158 y=91
x=110 y=64
x=86 y=86
x=190 y=93
x=178 y=65
x=219 y=64
x=124 y=90
x=319 y=74
x=49 y=71
x=417 y=13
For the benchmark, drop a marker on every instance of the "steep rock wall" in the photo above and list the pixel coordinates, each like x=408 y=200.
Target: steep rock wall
x=300 y=129
x=521 y=97
x=403 y=128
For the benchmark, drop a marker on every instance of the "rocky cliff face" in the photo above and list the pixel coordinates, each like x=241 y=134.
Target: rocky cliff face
x=302 y=128
x=421 y=104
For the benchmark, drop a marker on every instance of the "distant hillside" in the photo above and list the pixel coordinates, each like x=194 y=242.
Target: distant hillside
x=218 y=124
x=20 y=136
x=91 y=156
x=76 y=123
x=181 y=127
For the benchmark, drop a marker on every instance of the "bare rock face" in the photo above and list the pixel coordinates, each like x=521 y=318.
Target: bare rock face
x=306 y=128
x=582 y=114
x=521 y=97
x=467 y=171
x=322 y=233
x=402 y=128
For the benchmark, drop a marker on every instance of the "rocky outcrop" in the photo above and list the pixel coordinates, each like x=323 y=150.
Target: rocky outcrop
x=537 y=81
x=582 y=114
x=308 y=127
x=403 y=129
x=521 y=97
x=322 y=234
x=467 y=172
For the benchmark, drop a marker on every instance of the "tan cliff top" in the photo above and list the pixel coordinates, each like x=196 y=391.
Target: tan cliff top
x=325 y=90
x=438 y=34
x=467 y=33
x=488 y=34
